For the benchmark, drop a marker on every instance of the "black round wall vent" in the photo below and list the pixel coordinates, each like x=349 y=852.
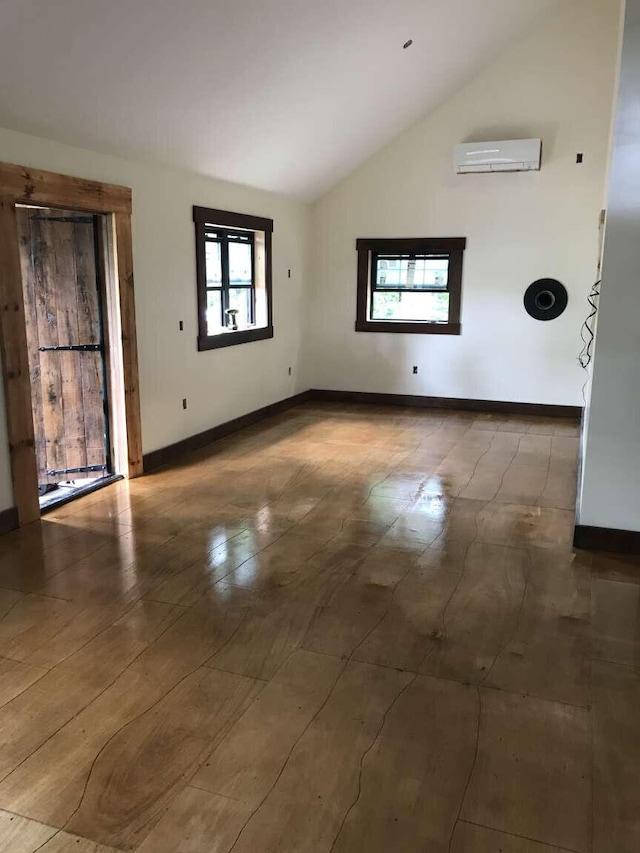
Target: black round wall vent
x=545 y=299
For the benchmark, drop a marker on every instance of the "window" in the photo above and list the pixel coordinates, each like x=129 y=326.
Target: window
x=410 y=285
x=231 y=290
x=233 y=263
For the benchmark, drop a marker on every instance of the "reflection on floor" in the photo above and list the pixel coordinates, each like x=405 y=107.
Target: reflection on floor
x=58 y=494
x=346 y=629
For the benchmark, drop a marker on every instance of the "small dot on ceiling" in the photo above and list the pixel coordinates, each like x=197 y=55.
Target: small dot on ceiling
x=407 y=44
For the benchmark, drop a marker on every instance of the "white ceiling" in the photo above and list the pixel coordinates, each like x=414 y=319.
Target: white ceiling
x=287 y=95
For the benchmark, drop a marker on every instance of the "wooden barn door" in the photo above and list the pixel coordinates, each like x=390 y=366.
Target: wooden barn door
x=63 y=307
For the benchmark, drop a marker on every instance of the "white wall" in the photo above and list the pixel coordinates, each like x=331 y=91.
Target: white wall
x=611 y=462
x=220 y=384
x=556 y=84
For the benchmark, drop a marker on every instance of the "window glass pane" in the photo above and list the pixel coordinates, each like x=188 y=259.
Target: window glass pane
x=239 y=263
x=412 y=273
x=431 y=272
x=411 y=306
x=214 y=312
x=213 y=263
x=240 y=300
x=391 y=272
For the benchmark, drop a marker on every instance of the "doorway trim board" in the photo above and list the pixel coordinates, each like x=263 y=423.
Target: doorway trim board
x=22 y=185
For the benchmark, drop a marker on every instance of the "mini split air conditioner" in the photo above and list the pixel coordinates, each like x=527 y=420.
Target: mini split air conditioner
x=513 y=155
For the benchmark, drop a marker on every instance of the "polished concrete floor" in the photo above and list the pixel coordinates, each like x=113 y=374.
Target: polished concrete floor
x=346 y=629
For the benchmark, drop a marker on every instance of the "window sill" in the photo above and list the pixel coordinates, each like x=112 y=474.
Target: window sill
x=230 y=339
x=409 y=328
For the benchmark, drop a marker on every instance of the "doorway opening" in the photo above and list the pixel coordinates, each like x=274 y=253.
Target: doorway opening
x=108 y=206
x=63 y=278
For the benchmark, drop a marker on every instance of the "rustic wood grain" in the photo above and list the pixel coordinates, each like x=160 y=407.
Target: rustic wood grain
x=616 y=695
x=51 y=374
x=198 y=822
x=165 y=745
x=15 y=362
x=88 y=299
x=65 y=842
x=28 y=240
x=320 y=781
x=38 y=187
x=59 y=274
x=532 y=775
x=414 y=778
x=19 y=184
x=246 y=764
x=20 y=835
x=15 y=677
x=112 y=692
x=302 y=638
x=469 y=838
x=61 y=294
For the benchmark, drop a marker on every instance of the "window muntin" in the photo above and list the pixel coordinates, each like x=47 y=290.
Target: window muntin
x=410 y=285
x=410 y=272
x=230 y=280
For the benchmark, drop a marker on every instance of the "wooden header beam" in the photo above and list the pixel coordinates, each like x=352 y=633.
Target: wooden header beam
x=35 y=186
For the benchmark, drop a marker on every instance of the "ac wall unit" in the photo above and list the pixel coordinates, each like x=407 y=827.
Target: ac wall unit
x=512 y=155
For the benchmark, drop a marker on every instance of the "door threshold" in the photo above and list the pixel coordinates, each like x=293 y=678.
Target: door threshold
x=54 y=501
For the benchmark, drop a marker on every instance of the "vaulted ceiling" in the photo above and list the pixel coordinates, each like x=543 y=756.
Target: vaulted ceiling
x=286 y=95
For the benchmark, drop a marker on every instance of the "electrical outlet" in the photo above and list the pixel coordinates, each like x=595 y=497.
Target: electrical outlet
x=415 y=368
x=184 y=402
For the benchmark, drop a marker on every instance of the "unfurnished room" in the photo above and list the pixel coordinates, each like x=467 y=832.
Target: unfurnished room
x=320 y=426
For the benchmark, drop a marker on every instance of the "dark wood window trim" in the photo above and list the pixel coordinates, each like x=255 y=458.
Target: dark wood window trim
x=203 y=217
x=367 y=248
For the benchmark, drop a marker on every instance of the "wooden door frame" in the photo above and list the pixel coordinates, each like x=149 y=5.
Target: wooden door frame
x=22 y=185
